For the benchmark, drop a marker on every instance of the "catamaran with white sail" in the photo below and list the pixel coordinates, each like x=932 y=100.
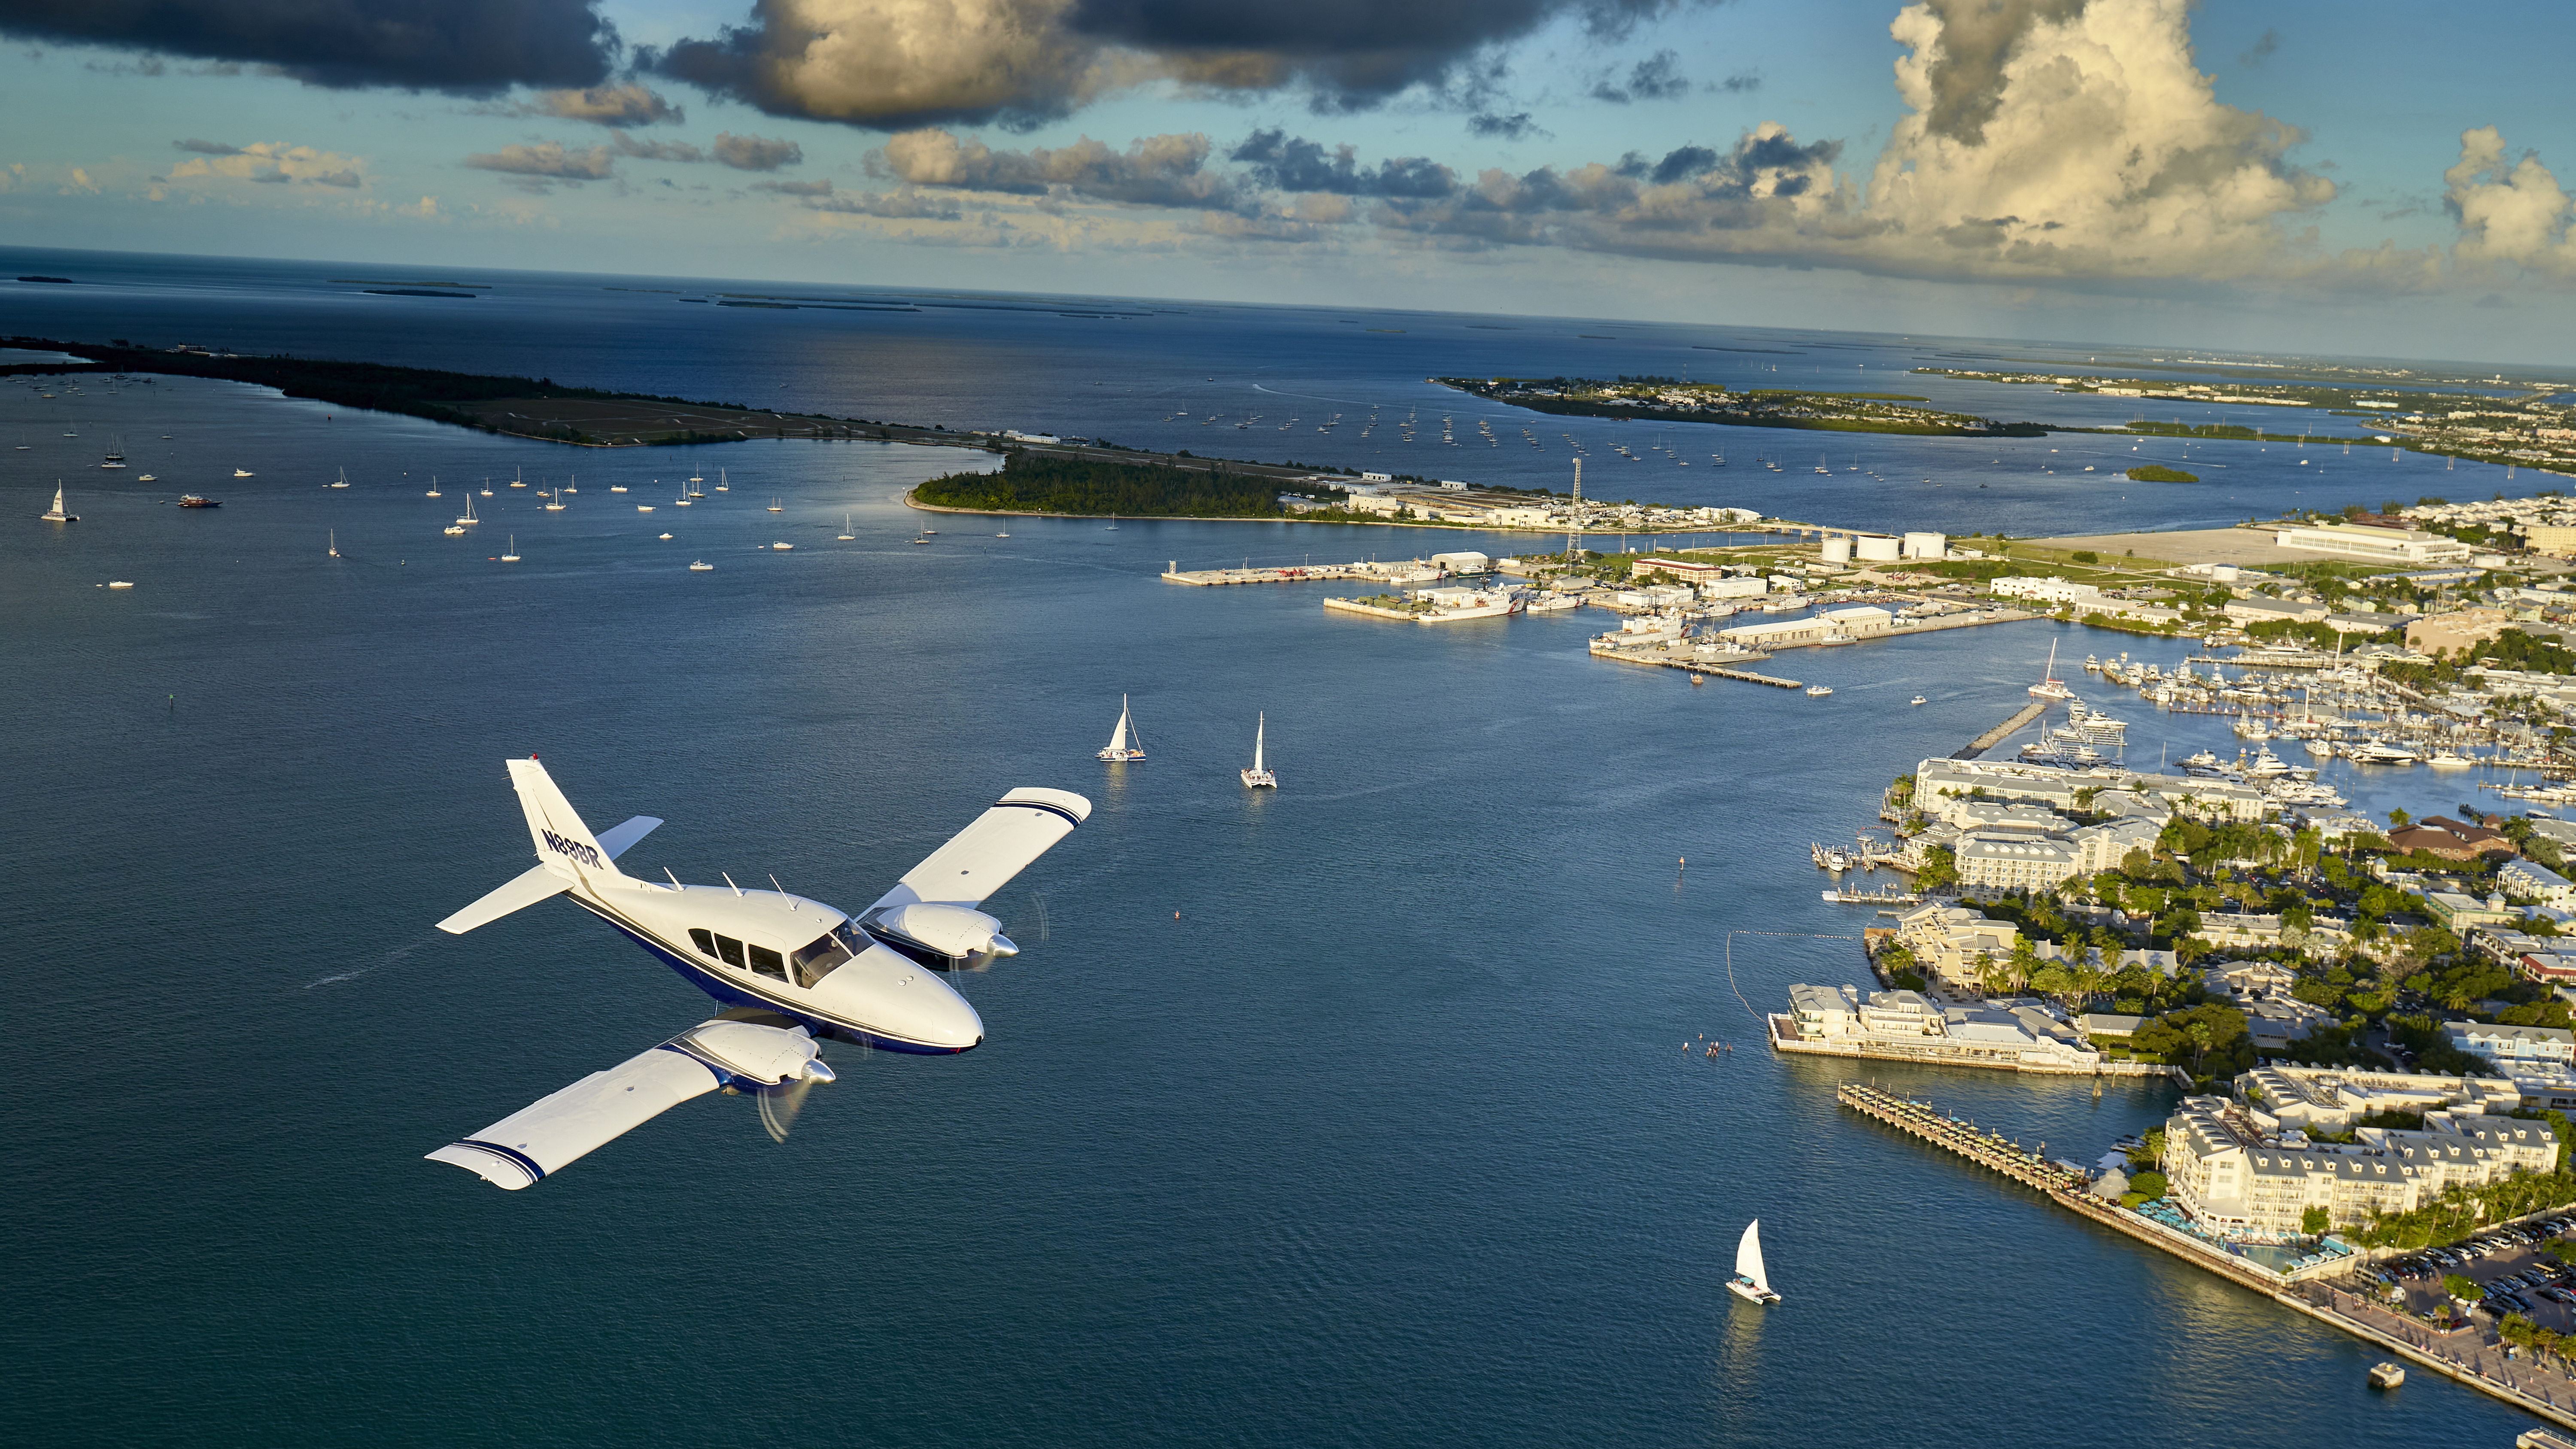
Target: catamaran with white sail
x=1750 y=1282
x=1118 y=747
x=1257 y=777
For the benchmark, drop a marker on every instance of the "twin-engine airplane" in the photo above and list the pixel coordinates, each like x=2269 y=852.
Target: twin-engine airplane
x=792 y=973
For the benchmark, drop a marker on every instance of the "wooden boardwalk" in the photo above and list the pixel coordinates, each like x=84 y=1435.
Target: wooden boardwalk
x=1986 y=1149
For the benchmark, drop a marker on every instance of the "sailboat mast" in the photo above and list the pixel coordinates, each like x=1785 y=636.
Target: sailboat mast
x=1261 y=727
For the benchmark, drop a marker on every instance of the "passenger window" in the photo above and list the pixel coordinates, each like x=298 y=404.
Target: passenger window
x=731 y=950
x=706 y=941
x=768 y=963
x=815 y=961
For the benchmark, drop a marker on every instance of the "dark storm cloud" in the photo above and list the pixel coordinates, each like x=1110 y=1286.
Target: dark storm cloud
x=902 y=64
x=1279 y=161
x=461 y=46
x=207 y=148
x=756 y=153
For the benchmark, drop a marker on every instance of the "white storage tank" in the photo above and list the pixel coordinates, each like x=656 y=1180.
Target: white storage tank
x=1929 y=546
x=1876 y=548
x=1838 y=550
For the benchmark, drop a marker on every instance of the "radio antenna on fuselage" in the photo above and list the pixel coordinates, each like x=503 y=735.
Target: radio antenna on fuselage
x=728 y=880
x=782 y=890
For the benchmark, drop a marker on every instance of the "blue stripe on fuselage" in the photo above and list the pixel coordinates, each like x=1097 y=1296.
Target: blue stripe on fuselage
x=732 y=994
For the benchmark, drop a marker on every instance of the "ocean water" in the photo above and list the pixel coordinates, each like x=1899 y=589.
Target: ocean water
x=1181 y=375
x=1366 y=1112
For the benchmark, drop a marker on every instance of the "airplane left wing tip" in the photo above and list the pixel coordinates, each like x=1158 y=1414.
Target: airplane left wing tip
x=1074 y=807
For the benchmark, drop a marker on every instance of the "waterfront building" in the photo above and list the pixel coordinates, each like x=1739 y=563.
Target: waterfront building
x=2323 y=1100
x=2006 y=862
x=2403 y=546
x=1860 y=621
x=2004 y=818
x=2046 y=590
x=2102 y=847
x=1908 y=1026
x=1952 y=943
x=2235 y=1171
x=2274 y=611
x=2514 y=1046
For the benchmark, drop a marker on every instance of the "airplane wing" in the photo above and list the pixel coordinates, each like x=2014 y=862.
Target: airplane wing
x=526 y=1145
x=554 y=1131
x=983 y=857
x=537 y=884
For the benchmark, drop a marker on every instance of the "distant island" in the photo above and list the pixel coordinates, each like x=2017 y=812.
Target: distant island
x=2159 y=473
x=1090 y=488
x=1671 y=400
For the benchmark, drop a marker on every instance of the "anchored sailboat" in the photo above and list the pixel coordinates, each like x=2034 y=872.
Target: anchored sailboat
x=1750 y=1282
x=56 y=513
x=1258 y=778
x=2050 y=686
x=1118 y=748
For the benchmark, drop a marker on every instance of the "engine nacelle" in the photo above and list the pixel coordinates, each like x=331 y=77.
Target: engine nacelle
x=752 y=1054
x=955 y=934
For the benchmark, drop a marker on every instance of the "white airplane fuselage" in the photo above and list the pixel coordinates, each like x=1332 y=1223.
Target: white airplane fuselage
x=792 y=955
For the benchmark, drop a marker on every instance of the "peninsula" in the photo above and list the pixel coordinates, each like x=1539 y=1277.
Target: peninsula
x=1671 y=400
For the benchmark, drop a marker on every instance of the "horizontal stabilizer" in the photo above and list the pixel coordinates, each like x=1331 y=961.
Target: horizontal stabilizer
x=545 y=1136
x=618 y=839
x=983 y=857
x=537 y=884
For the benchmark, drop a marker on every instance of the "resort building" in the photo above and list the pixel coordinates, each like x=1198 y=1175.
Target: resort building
x=2006 y=863
x=2236 y=1172
x=2327 y=1100
x=2514 y=1046
x=1907 y=1026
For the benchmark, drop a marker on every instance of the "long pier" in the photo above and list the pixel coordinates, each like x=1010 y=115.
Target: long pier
x=2462 y=1357
x=1695 y=666
x=1999 y=733
x=1986 y=1149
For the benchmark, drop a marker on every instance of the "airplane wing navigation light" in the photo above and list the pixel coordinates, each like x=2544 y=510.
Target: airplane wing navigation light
x=792 y=973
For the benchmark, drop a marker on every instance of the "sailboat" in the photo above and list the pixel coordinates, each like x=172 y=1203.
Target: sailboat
x=694 y=490
x=2050 y=686
x=487 y=487
x=513 y=555
x=335 y=543
x=1257 y=777
x=469 y=517
x=344 y=480
x=774 y=506
x=433 y=485
x=56 y=514
x=683 y=500
x=1118 y=748
x=572 y=484
x=115 y=455
x=1750 y=1282
x=724 y=484
x=554 y=501
x=846 y=535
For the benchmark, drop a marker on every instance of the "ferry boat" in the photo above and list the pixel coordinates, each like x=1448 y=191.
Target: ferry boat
x=191 y=500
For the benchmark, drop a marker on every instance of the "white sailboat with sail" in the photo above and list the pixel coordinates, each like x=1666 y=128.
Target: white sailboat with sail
x=1259 y=778
x=56 y=514
x=2050 y=686
x=1750 y=1282
x=1118 y=747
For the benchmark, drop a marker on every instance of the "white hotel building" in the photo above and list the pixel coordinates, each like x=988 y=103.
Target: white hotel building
x=2234 y=1172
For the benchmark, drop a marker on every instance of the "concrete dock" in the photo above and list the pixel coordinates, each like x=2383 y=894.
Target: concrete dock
x=1665 y=660
x=2001 y=732
x=1405 y=571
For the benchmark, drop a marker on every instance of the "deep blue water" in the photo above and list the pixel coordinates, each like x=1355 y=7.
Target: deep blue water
x=1388 y=1136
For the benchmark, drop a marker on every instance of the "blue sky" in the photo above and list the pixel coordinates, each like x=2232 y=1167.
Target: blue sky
x=2289 y=176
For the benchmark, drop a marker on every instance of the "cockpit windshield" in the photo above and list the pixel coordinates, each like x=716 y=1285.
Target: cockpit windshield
x=823 y=955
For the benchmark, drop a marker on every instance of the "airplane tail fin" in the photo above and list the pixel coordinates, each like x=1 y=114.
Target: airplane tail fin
x=565 y=846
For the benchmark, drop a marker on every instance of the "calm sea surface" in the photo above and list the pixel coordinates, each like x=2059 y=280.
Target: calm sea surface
x=1354 y=1114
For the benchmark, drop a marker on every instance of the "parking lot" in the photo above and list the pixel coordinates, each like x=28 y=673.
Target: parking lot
x=2509 y=1263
